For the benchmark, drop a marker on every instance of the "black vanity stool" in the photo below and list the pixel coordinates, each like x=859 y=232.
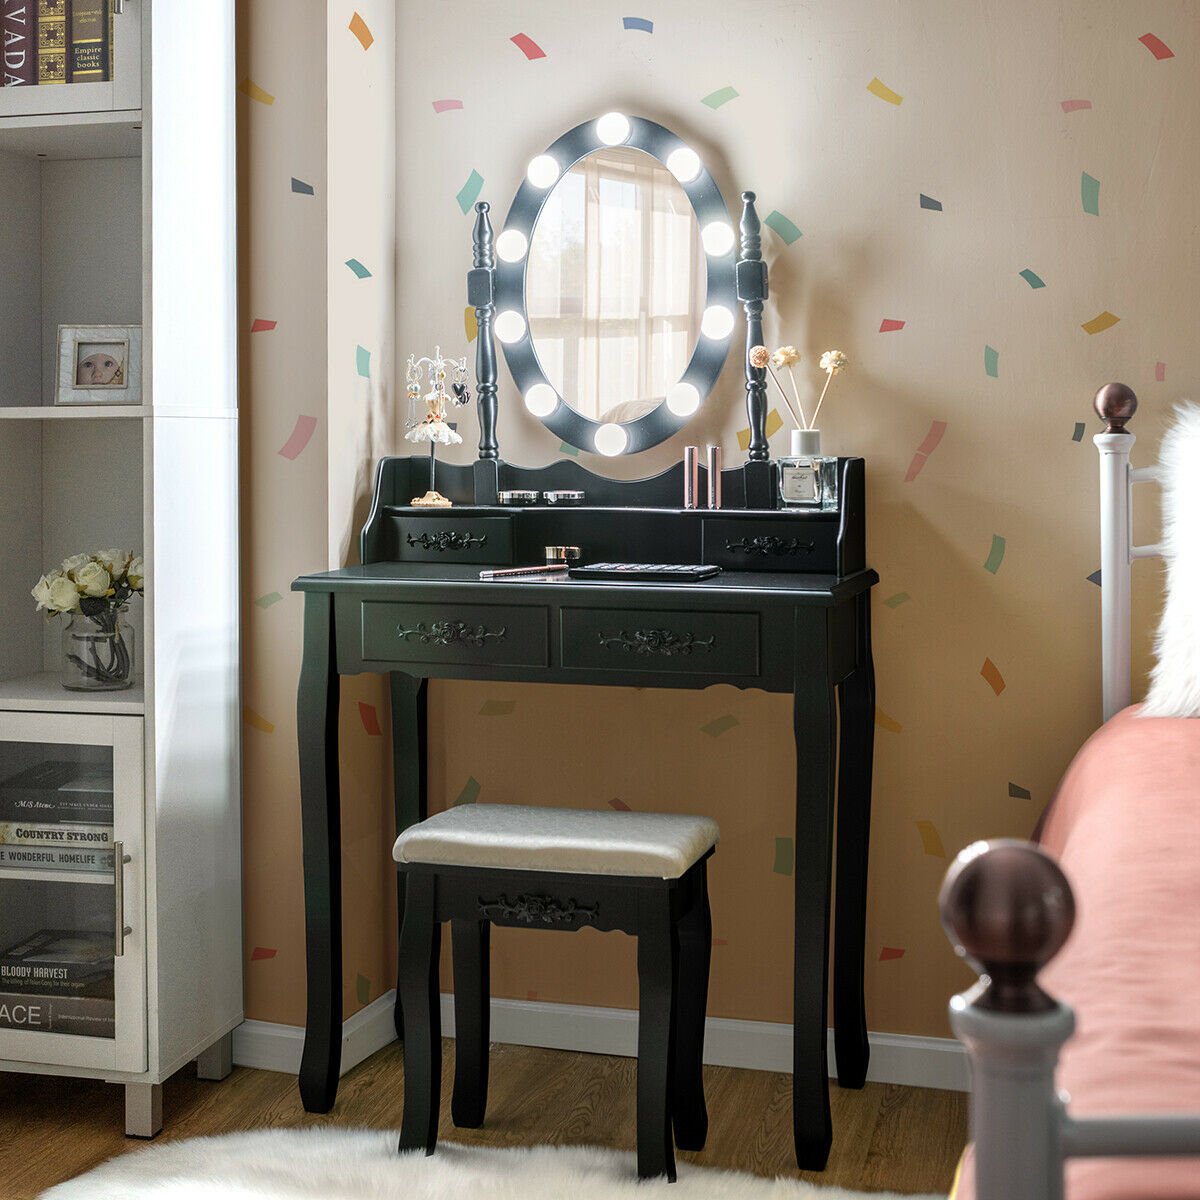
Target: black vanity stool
x=547 y=868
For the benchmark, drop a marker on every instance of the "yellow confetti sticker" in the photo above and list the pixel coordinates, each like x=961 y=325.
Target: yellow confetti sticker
x=249 y=88
x=257 y=721
x=886 y=722
x=358 y=27
x=1099 y=324
x=931 y=840
x=877 y=88
x=470 y=323
x=774 y=425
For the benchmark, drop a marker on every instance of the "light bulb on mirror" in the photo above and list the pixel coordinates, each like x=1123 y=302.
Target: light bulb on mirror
x=613 y=128
x=542 y=171
x=717 y=237
x=541 y=399
x=511 y=245
x=510 y=326
x=716 y=323
x=683 y=399
x=684 y=164
x=611 y=440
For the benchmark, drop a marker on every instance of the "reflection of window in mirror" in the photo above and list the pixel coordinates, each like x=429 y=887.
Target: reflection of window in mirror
x=615 y=284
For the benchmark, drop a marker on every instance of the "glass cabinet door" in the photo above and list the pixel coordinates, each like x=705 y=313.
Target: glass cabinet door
x=70 y=58
x=72 y=980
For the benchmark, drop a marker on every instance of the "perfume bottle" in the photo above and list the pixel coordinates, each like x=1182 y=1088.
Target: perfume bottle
x=808 y=478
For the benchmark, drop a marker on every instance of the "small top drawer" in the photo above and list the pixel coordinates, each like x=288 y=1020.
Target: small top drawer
x=454 y=539
x=771 y=545
x=488 y=634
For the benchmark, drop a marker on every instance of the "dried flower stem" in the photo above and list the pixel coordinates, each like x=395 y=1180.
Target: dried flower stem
x=828 y=381
x=799 y=418
x=796 y=393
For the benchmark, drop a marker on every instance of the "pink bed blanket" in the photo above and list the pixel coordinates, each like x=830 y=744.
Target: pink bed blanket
x=1125 y=825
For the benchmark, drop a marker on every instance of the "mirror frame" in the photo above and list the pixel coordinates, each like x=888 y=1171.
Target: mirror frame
x=708 y=356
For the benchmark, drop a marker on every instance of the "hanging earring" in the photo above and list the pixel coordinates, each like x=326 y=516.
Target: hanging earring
x=413 y=388
x=462 y=393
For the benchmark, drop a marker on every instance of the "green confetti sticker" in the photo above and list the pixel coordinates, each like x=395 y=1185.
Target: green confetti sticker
x=995 y=555
x=269 y=599
x=991 y=362
x=894 y=601
x=469 y=192
x=719 y=97
x=785 y=856
x=719 y=726
x=470 y=792
x=358 y=268
x=573 y=451
x=784 y=227
x=1016 y=792
x=362 y=985
x=362 y=360
x=1035 y=281
x=497 y=708
x=1089 y=193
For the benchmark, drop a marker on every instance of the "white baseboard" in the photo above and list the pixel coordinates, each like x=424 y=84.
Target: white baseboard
x=756 y=1045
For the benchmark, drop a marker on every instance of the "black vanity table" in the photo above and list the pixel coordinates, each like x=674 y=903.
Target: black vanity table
x=789 y=613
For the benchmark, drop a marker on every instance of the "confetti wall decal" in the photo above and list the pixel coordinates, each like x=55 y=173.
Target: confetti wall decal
x=720 y=725
x=1089 y=192
x=931 y=840
x=1096 y=578
x=889 y=953
x=995 y=555
x=930 y=203
x=719 y=97
x=362 y=989
x=362 y=361
x=896 y=600
x=469 y=192
x=262 y=325
x=785 y=228
x=573 y=451
x=441 y=106
x=1016 y=792
x=936 y=430
x=619 y=805
x=305 y=189
x=301 y=433
x=888 y=325
x=886 y=722
x=269 y=599
x=249 y=88
x=1160 y=372
x=773 y=425
x=470 y=323
x=639 y=23
x=1100 y=322
x=991 y=673
x=1156 y=46
x=720 y=941
x=1035 y=281
x=527 y=46
x=369 y=716
x=785 y=856
x=497 y=708
x=878 y=88
x=1080 y=429
x=1070 y=106
x=261 y=952
x=359 y=28
x=257 y=721
x=470 y=792
x=358 y=268
x=991 y=362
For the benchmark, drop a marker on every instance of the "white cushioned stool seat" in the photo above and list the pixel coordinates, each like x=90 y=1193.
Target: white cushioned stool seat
x=584 y=842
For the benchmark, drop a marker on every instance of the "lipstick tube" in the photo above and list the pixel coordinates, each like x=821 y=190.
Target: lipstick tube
x=691 y=476
x=714 y=476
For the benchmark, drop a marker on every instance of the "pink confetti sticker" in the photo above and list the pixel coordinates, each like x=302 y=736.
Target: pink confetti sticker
x=527 y=46
x=889 y=326
x=619 y=805
x=720 y=941
x=1070 y=106
x=441 y=106
x=1156 y=46
x=262 y=326
x=936 y=430
x=300 y=437
x=261 y=952
x=888 y=953
x=1160 y=372
x=370 y=718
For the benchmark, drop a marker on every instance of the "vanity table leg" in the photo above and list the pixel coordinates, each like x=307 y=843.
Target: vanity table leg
x=855 y=761
x=320 y=812
x=409 y=778
x=815 y=728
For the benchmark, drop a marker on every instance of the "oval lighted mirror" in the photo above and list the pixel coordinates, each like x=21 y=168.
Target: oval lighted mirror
x=615 y=288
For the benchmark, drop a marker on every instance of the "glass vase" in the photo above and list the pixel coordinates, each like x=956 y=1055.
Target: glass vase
x=97 y=652
x=808 y=478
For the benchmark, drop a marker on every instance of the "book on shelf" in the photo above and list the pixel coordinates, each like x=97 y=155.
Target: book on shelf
x=59 y=962
x=56 y=41
x=18 y=31
x=55 y=858
x=38 y=833
x=52 y=41
x=88 y=61
x=83 y=1016
x=59 y=792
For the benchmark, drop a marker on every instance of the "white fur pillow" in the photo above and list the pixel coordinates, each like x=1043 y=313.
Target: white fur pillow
x=1175 y=680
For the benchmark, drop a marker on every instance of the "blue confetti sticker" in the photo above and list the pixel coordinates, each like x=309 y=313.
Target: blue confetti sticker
x=639 y=23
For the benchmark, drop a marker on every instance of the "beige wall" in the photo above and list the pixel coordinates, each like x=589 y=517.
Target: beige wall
x=980 y=129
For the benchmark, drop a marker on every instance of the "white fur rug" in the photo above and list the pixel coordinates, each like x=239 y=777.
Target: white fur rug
x=362 y=1164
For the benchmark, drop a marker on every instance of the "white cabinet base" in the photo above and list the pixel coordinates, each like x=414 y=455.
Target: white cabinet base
x=143 y=1109
x=217 y=1061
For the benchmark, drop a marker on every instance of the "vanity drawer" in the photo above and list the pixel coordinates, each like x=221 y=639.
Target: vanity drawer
x=771 y=545
x=455 y=633
x=645 y=640
x=454 y=539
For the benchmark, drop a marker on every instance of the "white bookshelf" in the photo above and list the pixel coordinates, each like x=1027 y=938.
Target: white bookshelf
x=117 y=207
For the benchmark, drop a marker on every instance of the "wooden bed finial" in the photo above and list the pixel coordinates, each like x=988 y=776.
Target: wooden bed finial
x=1008 y=909
x=1115 y=403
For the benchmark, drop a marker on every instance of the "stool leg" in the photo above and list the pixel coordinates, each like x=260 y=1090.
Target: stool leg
x=658 y=969
x=471 y=942
x=695 y=951
x=420 y=942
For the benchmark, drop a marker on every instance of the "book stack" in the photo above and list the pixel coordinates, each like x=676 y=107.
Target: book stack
x=59 y=981
x=55 y=41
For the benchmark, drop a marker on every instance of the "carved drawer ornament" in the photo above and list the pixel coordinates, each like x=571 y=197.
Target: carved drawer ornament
x=449 y=633
x=537 y=910
x=769 y=543
x=656 y=642
x=446 y=539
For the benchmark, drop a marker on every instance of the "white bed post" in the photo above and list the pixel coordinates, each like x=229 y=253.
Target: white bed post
x=1116 y=404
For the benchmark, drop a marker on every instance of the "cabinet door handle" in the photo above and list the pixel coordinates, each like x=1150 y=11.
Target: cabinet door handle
x=120 y=858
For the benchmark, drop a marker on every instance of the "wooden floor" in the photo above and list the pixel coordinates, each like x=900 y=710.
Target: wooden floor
x=886 y=1138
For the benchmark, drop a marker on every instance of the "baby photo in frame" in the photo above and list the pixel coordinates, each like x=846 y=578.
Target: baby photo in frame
x=99 y=364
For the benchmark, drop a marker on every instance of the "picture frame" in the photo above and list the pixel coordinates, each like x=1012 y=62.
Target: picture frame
x=99 y=364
